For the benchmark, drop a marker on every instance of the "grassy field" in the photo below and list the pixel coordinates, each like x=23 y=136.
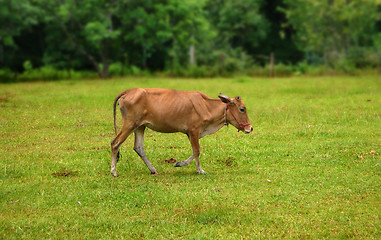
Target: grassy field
x=310 y=169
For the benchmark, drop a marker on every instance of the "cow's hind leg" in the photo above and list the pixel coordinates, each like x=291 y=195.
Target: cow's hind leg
x=185 y=163
x=115 y=144
x=139 y=148
x=194 y=139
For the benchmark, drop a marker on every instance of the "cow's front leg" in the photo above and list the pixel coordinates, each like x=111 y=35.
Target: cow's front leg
x=194 y=139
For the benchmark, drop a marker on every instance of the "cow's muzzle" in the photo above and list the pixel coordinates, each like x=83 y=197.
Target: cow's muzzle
x=248 y=130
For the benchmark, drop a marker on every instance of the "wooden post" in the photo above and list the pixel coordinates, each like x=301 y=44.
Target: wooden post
x=191 y=52
x=271 y=65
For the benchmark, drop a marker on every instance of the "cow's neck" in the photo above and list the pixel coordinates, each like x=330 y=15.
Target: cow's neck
x=217 y=109
x=217 y=117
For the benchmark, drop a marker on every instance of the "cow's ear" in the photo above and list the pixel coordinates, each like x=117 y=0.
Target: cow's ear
x=224 y=98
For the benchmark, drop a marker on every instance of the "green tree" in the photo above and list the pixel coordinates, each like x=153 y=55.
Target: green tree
x=15 y=16
x=239 y=27
x=88 y=26
x=189 y=29
x=238 y=22
x=144 y=29
x=332 y=27
x=159 y=33
x=279 y=37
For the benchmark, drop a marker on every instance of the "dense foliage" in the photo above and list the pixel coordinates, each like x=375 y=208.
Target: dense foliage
x=118 y=37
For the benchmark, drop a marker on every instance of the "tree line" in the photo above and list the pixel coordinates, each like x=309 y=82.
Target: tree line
x=173 y=36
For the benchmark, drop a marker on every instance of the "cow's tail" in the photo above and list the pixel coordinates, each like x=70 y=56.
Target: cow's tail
x=115 y=102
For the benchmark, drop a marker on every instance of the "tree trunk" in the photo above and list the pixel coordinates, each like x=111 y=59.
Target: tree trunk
x=92 y=60
x=221 y=57
x=144 y=60
x=70 y=65
x=105 y=58
x=82 y=50
x=325 y=57
x=271 y=70
x=105 y=73
x=1 y=52
x=172 y=65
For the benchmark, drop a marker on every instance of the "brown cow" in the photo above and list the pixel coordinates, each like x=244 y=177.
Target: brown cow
x=169 y=111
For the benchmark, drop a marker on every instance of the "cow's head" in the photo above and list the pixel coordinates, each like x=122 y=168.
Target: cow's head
x=236 y=113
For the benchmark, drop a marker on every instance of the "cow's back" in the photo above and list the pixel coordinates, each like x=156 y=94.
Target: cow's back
x=163 y=110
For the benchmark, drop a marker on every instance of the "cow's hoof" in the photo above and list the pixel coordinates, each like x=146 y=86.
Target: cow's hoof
x=178 y=164
x=155 y=173
x=202 y=172
x=115 y=175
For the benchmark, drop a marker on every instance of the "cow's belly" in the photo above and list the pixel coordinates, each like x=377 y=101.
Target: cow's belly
x=166 y=127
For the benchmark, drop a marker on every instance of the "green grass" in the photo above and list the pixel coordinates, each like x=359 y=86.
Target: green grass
x=311 y=168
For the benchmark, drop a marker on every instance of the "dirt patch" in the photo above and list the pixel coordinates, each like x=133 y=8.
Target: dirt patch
x=65 y=173
x=172 y=160
x=4 y=99
x=229 y=162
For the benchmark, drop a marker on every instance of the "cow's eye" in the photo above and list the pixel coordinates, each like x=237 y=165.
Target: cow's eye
x=242 y=110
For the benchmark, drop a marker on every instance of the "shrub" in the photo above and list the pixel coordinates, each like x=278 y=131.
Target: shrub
x=361 y=57
x=115 y=69
x=6 y=75
x=27 y=65
x=257 y=70
x=134 y=70
x=283 y=70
